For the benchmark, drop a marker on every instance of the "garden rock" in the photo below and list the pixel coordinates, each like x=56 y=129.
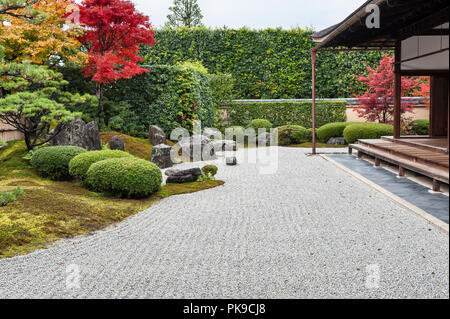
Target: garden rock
x=336 y=141
x=161 y=156
x=223 y=145
x=197 y=148
x=231 y=161
x=183 y=176
x=117 y=143
x=266 y=139
x=212 y=133
x=157 y=135
x=78 y=133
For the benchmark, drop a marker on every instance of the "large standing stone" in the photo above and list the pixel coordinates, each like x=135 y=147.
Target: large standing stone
x=231 y=161
x=161 y=156
x=197 y=148
x=266 y=139
x=117 y=143
x=223 y=145
x=78 y=133
x=157 y=135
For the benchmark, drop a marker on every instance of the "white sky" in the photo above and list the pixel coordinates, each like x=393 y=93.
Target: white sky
x=259 y=14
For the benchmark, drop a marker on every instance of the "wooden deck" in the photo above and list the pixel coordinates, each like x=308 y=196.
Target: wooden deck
x=425 y=156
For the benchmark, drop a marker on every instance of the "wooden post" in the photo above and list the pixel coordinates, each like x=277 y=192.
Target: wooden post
x=397 y=90
x=436 y=186
x=401 y=172
x=377 y=162
x=313 y=58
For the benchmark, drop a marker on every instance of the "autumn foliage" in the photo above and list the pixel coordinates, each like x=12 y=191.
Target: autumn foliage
x=377 y=102
x=114 y=31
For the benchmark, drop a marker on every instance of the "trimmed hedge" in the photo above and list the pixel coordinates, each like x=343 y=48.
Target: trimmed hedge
x=357 y=131
x=287 y=113
x=169 y=96
x=53 y=162
x=80 y=164
x=258 y=124
x=124 y=177
x=327 y=131
x=292 y=134
x=266 y=64
x=420 y=127
x=210 y=169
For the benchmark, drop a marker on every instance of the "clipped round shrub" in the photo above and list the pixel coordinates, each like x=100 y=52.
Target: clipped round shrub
x=420 y=127
x=310 y=134
x=355 y=132
x=292 y=134
x=80 y=164
x=53 y=162
x=210 y=169
x=260 y=124
x=127 y=177
x=330 y=130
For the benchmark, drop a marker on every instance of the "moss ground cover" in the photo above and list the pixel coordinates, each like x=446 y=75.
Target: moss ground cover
x=51 y=210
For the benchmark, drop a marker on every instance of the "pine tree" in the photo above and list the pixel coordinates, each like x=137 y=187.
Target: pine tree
x=185 y=13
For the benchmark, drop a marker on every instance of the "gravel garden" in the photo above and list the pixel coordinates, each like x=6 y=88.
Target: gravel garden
x=134 y=164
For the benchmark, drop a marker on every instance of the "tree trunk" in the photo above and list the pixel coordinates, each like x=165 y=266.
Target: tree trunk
x=99 y=93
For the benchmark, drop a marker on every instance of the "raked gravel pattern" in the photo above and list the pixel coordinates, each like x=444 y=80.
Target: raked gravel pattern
x=308 y=231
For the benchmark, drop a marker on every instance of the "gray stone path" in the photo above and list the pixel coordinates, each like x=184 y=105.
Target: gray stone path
x=308 y=231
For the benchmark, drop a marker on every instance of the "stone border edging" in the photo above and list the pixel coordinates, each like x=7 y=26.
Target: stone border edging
x=416 y=210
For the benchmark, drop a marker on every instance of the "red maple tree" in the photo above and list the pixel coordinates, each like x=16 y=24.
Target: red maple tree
x=424 y=90
x=377 y=102
x=113 y=32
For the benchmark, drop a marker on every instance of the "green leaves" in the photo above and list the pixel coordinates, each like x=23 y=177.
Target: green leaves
x=7 y=197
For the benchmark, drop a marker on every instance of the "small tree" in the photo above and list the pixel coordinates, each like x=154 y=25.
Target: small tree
x=114 y=31
x=38 y=103
x=377 y=102
x=184 y=13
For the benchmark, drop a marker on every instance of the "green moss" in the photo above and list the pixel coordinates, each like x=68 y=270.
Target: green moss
x=318 y=145
x=50 y=210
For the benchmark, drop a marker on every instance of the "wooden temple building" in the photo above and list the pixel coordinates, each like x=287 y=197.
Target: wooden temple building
x=417 y=31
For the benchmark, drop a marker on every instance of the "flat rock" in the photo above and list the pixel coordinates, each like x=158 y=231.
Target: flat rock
x=197 y=172
x=231 y=161
x=181 y=179
x=337 y=141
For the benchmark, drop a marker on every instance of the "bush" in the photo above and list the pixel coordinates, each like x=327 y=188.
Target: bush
x=210 y=169
x=358 y=131
x=288 y=113
x=327 y=131
x=2 y=143
x=221 y=88
x=80 y=164
x=266 y=64
x=124 y=177
x=53 y=161
x=260 y=124
x=292 y=134
x=7 y=197
x=310 y=134
x=420 y=127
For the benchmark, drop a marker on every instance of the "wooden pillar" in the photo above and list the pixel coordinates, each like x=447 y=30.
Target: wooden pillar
x=401 y=172
x=397 y=90
x=313 y=58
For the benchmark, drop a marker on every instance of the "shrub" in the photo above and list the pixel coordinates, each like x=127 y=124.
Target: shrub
x=358 y=131
x=288 y=113
x=292 y=134
x=258 y=124
x=210 y=169
x=420 y=127
x=7 y=197
x=80 y=164
x=221 y=88
x=53 y=161
x=327 y=131
x=2 y=143
x=310 y=134
x=124 y=177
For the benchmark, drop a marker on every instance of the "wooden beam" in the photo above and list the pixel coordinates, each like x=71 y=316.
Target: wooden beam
x=424 y=25
x=397 y=91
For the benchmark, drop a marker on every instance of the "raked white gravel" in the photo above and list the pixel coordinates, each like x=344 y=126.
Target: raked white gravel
x=309 y=230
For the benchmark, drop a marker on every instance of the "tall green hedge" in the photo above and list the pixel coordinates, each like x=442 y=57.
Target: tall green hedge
x=167 y=96
x=266 y=64
x=287 y=113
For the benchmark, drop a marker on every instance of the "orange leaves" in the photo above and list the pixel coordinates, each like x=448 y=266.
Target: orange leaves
x=47 y=34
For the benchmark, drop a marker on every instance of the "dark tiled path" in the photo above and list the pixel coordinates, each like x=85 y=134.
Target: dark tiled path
x=418 y=195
